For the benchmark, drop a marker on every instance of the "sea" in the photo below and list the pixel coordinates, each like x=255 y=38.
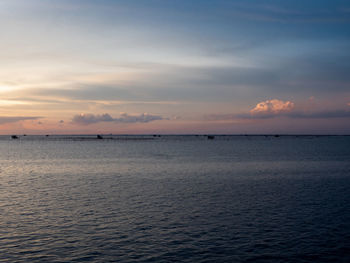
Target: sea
x=164 y=198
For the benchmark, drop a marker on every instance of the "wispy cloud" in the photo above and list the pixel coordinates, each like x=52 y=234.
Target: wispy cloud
x=86 y=119
x=4 y=120
x=284 y=12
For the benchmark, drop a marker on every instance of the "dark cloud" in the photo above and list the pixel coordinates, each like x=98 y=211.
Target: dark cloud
x=144 y=117
x=86 y=119
x=91 y=118
x=4 y=120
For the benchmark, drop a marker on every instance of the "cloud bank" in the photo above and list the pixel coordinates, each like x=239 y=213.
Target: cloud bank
x=86 y=119
x=320 y=115
x=4 y=120
x=277 y=108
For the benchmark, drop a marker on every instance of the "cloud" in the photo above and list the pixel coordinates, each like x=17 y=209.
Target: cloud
x=289 y=13
x=272 y=107
x=86 y=119
x=144 y=117
x=331 y=114
x=296 y=75
x=278 y=108
x=4 y=120
x=320 y=114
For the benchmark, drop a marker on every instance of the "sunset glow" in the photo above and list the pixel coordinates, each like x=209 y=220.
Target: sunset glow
x=168 y=65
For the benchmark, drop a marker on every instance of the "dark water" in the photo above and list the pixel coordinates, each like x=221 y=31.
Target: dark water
x=175 y=199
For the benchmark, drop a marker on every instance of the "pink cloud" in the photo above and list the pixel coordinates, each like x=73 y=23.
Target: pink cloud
x=272 y=107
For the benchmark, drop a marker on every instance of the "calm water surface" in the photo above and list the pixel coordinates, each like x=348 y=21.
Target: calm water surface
x=175 y=199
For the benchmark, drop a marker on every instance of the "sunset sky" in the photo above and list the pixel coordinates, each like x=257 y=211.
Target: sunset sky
x=174 y=66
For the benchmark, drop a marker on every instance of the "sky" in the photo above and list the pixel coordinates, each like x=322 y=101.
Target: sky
x=174 y=67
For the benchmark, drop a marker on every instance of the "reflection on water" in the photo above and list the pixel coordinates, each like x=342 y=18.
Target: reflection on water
x=174 y=198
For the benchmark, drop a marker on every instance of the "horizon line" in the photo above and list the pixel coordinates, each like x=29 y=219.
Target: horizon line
x=178 y=134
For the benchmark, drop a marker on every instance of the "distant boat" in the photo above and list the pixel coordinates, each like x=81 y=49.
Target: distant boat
x=211 y=137
x=14 y=137
x=99 y=137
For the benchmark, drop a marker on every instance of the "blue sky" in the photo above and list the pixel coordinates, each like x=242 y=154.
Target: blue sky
x=188 y=66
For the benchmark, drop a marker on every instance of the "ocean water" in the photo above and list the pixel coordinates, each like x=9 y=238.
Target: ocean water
x=175 y=199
